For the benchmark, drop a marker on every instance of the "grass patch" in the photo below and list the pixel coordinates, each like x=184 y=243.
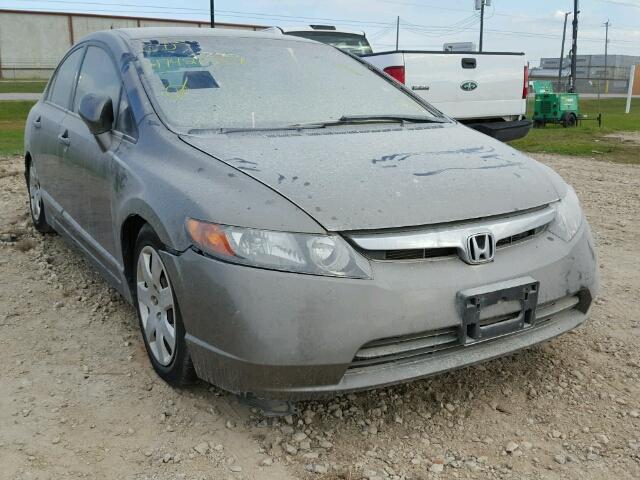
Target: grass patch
x=22 y=86
x=588 y=140
x=13 y=115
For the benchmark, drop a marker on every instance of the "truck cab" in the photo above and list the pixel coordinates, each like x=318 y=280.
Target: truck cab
x=351 y=41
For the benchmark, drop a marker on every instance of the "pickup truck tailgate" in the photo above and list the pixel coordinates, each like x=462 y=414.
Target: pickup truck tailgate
x=463 y=85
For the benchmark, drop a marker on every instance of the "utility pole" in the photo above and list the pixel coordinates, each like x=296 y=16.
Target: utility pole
x=606 y=58
x=213 y=16
x=397 y=31
x=574 y=47
x=481 y=22
x=564 y=36
x=480 y=4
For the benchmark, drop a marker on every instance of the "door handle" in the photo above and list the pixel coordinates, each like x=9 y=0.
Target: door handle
x=64 y=138
x=468 y=63
x=37 y=122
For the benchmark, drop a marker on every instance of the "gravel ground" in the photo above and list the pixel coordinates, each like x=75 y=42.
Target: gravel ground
x=78 y=398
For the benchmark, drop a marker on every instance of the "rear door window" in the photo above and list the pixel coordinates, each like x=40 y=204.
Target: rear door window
x=65 y=78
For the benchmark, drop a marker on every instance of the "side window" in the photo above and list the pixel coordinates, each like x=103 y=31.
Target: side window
x=63 y=83
x=98 y=75
x=125 y=123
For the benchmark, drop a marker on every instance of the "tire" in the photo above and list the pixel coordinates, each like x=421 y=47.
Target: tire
x=36 y=204
x=158 y=312
x=538 y=124
x=569 y=120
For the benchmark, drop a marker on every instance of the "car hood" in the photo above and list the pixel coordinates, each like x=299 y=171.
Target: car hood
x=372 y=177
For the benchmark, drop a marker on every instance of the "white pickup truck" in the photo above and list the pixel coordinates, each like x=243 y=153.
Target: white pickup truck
x=486 y=91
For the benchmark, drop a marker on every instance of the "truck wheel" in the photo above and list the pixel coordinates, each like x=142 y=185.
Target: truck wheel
x=569 y=120
x=538 y=124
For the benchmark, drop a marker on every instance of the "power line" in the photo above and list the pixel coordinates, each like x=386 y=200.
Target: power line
x=395 y=2
x=620 y=3
x=424 y=30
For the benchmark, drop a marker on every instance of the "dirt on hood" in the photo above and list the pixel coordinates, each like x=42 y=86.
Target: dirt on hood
x=376 y=177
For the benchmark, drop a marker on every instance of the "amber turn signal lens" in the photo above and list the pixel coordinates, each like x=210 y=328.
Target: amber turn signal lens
x=209 y=236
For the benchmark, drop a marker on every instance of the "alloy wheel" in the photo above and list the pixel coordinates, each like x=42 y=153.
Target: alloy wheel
x=34 y=192
x=156 y=305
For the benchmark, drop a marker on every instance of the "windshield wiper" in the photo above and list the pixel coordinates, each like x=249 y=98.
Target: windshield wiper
x=196 y=131
x=390 y=118
x=343 y=120
x=356 y=119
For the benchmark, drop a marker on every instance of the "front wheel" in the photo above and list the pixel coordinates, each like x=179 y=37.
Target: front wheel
x=36 y=205
x=158 y=313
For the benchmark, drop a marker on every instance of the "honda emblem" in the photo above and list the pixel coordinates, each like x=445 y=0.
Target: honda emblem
x=481 y=248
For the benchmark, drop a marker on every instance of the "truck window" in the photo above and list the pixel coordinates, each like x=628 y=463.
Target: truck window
x=349 y=42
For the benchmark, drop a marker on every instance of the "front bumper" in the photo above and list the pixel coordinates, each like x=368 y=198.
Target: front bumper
x=295 y=336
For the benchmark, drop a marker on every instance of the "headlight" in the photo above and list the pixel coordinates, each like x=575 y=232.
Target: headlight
x=327 y=255
x=568 y=216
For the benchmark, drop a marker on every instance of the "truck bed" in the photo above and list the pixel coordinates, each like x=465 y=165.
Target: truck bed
x=471 y=87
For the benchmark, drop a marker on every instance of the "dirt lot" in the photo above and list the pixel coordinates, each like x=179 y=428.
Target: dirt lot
x=78 y=398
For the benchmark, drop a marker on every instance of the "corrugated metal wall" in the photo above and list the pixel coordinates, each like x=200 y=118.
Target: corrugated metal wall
x=591 y=73
x=32 y=43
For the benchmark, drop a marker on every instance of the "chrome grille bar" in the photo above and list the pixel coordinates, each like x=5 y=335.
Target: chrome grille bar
x=453 y=236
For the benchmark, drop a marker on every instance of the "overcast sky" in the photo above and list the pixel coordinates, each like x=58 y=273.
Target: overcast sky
x=534 y=27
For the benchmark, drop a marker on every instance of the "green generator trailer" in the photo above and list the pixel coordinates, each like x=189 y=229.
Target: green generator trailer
x=550 y=107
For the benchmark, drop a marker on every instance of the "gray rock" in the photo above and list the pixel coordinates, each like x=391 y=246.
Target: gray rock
x=326 y=444
x=299 y=437
x=202 y=448
x=511 y=447
x=290 y=449
x=560 y=458
x=320 y=469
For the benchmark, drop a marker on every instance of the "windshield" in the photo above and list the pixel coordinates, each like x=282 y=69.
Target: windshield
x=349 y=42
x=234 y=82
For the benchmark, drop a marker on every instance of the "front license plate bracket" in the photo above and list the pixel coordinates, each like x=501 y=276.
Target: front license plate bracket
x=518 y=298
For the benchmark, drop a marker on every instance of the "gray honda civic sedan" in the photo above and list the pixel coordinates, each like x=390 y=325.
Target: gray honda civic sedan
x=291 y=222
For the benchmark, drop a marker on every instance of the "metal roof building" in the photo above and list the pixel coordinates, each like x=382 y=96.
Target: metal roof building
x=590 y=72
x=32 y=43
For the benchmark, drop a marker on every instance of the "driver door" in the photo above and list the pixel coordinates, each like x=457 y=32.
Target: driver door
x=90 y=214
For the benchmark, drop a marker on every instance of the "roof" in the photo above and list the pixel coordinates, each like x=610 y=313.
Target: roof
x=146 y=32
x=547 y=72
x=128 y=17
x=316 y=28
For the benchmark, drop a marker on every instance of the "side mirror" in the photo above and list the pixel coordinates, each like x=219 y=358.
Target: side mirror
x=97 y=112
